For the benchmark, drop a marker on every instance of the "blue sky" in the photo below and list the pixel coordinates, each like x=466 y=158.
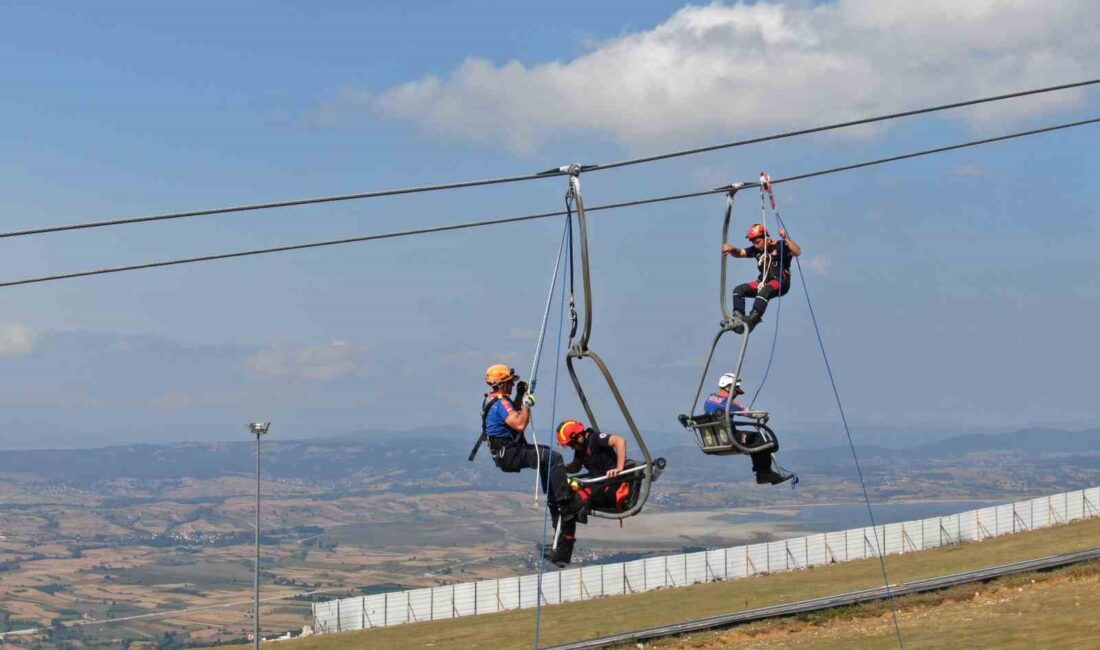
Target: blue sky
x=955 y=292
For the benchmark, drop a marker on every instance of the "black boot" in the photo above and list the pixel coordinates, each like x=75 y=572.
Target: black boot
x=772 y=477
x=738 y=321
x=752 y=320
x=562 y=555
x=575 y=507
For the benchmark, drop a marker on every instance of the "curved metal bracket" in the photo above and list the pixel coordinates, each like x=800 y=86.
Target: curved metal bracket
x=579 y=350
x=723 y=296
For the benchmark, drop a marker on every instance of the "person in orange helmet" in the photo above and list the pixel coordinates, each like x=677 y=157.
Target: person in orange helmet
x=503 y=424
x=773 y=263
x=600 y=454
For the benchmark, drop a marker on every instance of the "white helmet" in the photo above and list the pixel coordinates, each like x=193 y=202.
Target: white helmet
x=726 y=380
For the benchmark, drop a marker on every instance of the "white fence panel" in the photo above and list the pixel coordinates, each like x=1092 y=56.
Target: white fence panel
x=756 y=559
x=463 y=600
x=715 y=564
x=508 y=593
x=654 y=573
x=1075 y=505
x=569 y=586
x=442 y=605
x=697 y=568
x=529 y=591
x=891 y=538
x=634 y=575
x=418 y=605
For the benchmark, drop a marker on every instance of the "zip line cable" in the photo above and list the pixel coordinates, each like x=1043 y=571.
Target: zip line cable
x=539 y=175
x=528 y=217
x=841 y=125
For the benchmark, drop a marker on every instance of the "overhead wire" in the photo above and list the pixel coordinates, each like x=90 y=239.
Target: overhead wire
x=531 y=217
x=538 y=175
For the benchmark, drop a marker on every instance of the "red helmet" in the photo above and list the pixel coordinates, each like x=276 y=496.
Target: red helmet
x=756 y=230
x=568 y=431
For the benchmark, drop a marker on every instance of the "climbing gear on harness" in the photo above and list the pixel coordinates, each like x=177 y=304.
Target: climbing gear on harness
x=568 y=430
x=579 y=350
x=499 y=374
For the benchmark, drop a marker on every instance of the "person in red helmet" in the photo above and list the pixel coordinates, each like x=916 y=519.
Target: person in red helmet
x=773 y=261
x=600 y=455
x=503 y=425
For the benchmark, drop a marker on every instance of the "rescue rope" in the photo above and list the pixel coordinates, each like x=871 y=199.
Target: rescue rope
x=538 y=352
x=766 y=187
x=553 y=418
x=851 y=446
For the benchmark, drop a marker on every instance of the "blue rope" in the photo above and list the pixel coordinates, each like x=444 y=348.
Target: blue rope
x=553 y=418
x=851 y=445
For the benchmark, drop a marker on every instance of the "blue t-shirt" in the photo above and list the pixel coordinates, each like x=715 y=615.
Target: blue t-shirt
x=717 y=403
x=495 y=425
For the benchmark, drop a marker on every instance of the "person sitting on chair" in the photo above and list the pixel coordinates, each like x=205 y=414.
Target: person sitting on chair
x=600 y=455
x=716 y=403
x=773 y=261
x=503 y=426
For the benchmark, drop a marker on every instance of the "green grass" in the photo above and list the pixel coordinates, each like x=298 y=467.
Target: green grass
x=573 y=621
x=1047 y=609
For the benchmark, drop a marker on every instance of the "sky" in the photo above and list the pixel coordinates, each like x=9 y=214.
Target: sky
x=955 y=292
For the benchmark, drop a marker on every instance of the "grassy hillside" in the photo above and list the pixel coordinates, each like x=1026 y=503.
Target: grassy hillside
x=1030 y=610
x=581 y=620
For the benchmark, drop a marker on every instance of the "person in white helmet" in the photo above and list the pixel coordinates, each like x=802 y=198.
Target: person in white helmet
x=729 y=387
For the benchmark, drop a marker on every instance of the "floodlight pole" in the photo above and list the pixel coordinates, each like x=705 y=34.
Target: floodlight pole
x=258 y=429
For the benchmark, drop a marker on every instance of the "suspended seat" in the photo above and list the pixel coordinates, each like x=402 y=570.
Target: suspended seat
x=632 y=476
x=741 y=432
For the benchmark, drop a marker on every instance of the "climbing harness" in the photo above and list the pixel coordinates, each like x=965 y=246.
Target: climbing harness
x=641 y=475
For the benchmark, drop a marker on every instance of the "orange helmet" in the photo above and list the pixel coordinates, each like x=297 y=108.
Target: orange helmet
x=499 y=374
x=756 y=230
x=568 y=431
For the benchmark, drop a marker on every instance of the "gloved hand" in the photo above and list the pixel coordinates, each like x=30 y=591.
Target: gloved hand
x=521 y=392
x=529 y=400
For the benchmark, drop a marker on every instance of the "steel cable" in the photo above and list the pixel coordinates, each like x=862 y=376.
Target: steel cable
x=531 y=217
x=535 y=176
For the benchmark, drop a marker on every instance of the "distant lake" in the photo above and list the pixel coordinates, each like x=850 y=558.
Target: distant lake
x=824 y=518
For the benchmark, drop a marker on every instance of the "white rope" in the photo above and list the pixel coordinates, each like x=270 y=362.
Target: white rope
x=538 y=357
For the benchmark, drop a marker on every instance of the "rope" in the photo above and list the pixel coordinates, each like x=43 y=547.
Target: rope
x=528 y=177
x=764 y=187
x=538 y=354
x=852 y=447
x=529 y=217
x=553 y=418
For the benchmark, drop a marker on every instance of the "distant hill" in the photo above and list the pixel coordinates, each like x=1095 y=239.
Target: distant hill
x=432 y=459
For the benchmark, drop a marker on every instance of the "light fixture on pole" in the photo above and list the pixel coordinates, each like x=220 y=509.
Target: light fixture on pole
x=258 y=429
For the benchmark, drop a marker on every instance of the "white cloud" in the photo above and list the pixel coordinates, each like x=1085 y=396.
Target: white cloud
x=16 y=340
x=733 y=68
x=316 y=363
